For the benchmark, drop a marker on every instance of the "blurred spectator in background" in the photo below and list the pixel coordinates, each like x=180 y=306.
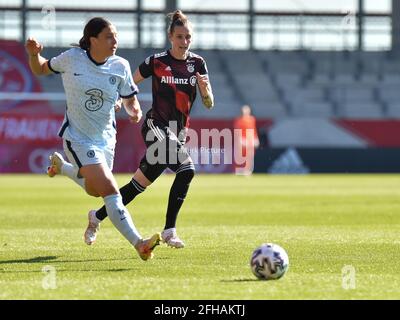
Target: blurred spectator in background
x=247 y=141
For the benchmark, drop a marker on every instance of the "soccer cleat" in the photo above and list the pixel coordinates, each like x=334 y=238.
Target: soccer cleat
x=145 y=247
x=170 y=237
x=56 y=163
x=92 y=228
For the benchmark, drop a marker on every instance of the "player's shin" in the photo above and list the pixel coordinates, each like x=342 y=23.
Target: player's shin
x=128 y=193
x=177 y=196
x=71 y=172
x=121 y=218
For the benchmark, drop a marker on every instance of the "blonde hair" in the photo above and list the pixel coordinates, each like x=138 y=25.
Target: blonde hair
x=177 y=18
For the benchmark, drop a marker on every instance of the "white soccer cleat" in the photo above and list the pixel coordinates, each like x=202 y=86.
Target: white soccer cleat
x=92 y=228
x=56 y=163
x=170 y=237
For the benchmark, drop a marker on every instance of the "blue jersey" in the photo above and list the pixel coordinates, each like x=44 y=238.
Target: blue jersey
x=92 y=90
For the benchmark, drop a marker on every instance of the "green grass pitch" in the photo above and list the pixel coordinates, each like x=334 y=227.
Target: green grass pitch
x=341 y=233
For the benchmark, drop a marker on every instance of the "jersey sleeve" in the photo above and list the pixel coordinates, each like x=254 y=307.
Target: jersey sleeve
x=60 y=63
x=128 y=87
x=146 y=68
x=203 y=67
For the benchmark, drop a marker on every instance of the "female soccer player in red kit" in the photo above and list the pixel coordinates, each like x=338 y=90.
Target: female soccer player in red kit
x=175 y=74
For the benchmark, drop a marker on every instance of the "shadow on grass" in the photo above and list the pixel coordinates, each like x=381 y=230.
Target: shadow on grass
x=52 y=258
x=31 y=260
x=64 y=270
x=240 y=280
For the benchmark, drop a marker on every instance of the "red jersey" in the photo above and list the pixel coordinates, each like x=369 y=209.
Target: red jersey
x=173 y=86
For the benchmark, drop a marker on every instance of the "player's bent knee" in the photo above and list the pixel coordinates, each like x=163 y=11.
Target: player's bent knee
x=104 y=189
x=108 y=188
x=93 y=193
x=185 y=176
x=104 y=192
x=140 y=178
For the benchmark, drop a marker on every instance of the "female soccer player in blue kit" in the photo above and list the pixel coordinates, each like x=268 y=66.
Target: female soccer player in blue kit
x=94 y=78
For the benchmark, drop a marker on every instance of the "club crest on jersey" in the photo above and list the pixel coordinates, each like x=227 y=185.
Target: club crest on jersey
x=90 y=154
x=112 y=80
x=190 y=68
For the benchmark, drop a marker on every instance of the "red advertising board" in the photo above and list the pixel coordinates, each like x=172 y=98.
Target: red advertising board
x=27 y=140
x=16 y=78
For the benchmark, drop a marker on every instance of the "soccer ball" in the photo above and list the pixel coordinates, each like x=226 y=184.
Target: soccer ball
x=269 y=262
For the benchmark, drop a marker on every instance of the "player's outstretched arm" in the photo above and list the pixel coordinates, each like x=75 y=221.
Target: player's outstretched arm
x=205 y=90
x=37 y=63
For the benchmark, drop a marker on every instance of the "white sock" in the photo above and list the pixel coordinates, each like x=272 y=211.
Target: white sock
x=169 y=231
x=121 y=218
x=71 y=172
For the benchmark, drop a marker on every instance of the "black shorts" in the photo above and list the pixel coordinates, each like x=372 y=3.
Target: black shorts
x=163 y=150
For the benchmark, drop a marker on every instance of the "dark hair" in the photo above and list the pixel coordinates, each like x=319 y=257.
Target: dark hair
x=92 y=29
x=177 y=18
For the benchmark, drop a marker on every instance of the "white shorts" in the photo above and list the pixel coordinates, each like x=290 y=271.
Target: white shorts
x=83 y=154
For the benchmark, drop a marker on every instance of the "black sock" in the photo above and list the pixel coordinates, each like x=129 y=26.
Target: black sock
x=177 y=195
x=128 y=193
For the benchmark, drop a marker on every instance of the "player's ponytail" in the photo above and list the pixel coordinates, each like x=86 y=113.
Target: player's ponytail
x=177 y=18
x=92 y=29
x=83 y=44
